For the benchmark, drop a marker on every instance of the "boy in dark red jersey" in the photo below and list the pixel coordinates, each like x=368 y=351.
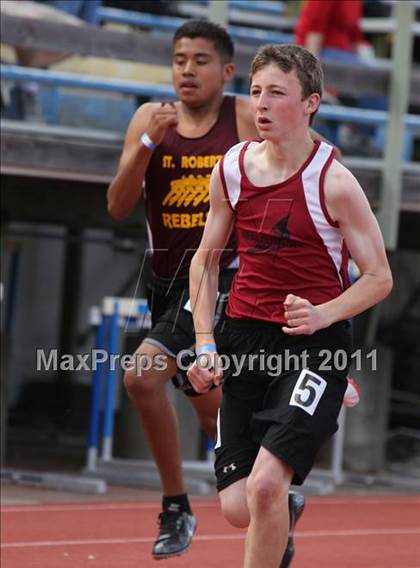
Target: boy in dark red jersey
x=295 y=210
x=172 y=149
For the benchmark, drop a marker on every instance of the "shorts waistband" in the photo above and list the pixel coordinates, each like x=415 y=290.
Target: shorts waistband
x=168 y=285
x=254 y=324
x=268 y=326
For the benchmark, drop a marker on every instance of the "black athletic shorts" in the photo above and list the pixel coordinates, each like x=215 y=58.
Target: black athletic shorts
x=172 y=324
x=286 y=399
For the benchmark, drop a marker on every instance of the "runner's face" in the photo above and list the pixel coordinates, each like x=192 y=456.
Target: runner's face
x=277 y=102
x=198 y=73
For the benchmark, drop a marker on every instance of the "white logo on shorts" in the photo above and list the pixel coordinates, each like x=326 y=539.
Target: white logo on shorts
x=218 y=438
x=230 y=467
x=308 y=391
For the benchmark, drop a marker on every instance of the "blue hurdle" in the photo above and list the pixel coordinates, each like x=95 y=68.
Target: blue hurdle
x=116 y=314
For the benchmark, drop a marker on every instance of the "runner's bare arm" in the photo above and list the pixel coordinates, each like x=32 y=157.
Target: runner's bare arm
x=127 y=186
x=349 y=207
x=204 y=269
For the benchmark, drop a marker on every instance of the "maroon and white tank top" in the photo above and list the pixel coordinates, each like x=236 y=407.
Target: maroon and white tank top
x=287 y=242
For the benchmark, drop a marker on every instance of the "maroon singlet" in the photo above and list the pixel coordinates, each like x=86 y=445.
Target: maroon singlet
x=177 y=193
x=287 y=242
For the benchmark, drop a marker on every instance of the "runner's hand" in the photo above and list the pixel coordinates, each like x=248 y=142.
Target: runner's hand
x=161 y=118
x=204 y=372
x=302 y=317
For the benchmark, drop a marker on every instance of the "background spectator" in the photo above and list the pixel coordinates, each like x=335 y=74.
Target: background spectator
x=330 y=29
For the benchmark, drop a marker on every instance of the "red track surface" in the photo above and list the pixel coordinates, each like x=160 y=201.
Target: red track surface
x=334 y=532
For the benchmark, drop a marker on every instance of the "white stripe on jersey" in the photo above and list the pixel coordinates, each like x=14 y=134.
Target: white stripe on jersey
x=232 y=173
x=330 y=235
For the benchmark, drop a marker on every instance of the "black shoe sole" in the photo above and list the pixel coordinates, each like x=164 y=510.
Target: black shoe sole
x=173 y=554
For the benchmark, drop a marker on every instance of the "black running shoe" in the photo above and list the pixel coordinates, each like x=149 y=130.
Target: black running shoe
x=176 y=531
x=296 y=506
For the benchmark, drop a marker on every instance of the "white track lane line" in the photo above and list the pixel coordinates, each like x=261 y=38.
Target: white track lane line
x=147 y=540
x=362 y=501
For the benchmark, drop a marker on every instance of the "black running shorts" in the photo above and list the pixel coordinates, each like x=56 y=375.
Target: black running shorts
x=172 y=324
x=286 y=398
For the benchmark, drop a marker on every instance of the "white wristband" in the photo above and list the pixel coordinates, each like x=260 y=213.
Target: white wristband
x=147 y=141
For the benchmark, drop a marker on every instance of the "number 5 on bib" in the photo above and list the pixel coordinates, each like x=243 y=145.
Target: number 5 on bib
x=308 y=391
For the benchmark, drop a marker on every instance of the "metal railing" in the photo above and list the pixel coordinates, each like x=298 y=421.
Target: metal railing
x=337 y=113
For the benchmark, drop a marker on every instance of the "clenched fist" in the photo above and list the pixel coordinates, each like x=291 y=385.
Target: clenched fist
x=205 y=372
x=161 y=117
x=303 y=318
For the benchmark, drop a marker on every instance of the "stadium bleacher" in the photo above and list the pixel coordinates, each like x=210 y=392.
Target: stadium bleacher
x=153 y=44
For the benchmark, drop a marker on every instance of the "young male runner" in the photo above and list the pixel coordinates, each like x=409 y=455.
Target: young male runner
x=172 y=148
x=295 y=211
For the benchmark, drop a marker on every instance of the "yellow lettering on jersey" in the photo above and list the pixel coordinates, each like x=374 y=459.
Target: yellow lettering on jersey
x=190 y=162
x=202 y=219
x=183 y=220
x=195 y=219
x=166 y=220
x=167 y=161
x=207 y=161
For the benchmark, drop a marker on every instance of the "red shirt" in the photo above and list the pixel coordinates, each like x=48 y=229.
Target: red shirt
x=337 y=20
x=287 y=242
